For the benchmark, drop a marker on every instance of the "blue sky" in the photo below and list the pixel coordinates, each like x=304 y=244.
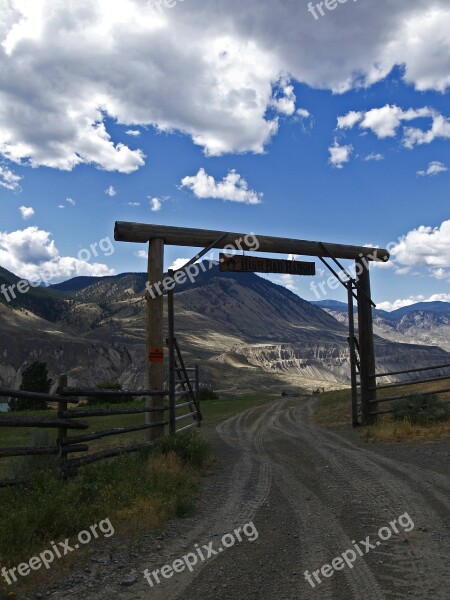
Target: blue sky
x=388 y=183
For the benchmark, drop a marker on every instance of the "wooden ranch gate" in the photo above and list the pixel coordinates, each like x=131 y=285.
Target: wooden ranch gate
x=362 y=351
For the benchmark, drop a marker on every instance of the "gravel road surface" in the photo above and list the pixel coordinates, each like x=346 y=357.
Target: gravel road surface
x=312 y=494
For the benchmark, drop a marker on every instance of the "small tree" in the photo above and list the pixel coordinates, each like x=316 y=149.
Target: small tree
x=206 y=392
x=34 y=379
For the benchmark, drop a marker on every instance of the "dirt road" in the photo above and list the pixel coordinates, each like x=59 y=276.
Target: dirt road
x=312 y=495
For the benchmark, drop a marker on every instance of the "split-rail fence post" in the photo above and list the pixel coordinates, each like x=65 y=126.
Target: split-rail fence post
x=62 y=431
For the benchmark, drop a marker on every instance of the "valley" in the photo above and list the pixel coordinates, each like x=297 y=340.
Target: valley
x=246 y=333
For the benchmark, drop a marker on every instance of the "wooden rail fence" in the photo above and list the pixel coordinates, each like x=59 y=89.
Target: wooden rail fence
x=70 y=439
x=404 y=396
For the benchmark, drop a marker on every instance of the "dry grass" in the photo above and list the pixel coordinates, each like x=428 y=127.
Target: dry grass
x=151 y=512
x=389 y=430
x=334 y=409
x=137 y=492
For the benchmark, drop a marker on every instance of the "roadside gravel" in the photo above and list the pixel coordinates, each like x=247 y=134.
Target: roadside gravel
x=311 y=493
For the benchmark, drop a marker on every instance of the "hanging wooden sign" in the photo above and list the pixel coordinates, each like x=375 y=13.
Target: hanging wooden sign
x=255 y=264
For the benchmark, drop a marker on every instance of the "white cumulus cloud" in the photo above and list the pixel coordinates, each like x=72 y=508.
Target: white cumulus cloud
x=303 y=113
x=178 y=263
x=441 y=274
x=349 y=120
x=26 y=211
x=9 y=179
x=208 y=70
x=434 y=168
x=155 y=204
x=385 y=122
x=400 y=303
x=339 y=155
x=30 y=253
x=284 y=98
x=233 y=187
x=110 y=191
x=424 y=246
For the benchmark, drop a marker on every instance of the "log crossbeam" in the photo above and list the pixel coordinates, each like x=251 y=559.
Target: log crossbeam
x=201 y=238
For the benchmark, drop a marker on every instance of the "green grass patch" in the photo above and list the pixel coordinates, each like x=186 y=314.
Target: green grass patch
x=218 y=410
x=213 y=411
x=135 y=492
x=333 y=408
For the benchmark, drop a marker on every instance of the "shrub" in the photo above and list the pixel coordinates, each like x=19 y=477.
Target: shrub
x=188 y=446
x=421 y=409
x=113 y=399
x=319 y=390
x=34 y=379
x=206 y=392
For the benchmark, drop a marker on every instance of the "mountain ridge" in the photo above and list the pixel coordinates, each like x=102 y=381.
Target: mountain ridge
x=426 y=323
x=246 y=332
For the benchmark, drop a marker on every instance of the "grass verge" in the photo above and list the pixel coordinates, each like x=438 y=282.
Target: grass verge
x=389 y=430
x=334 y=409
x=212 y=411
x=218 y=410
x=135 y=492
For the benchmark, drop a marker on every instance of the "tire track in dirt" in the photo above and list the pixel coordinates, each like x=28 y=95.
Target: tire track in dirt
x=422 y=565
x=333 y=493
x=247 y=489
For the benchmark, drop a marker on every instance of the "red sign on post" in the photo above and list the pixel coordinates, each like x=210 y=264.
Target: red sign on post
x=156 y=355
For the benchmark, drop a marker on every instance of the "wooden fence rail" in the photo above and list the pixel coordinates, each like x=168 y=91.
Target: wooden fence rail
x=35 y=451
x=101 y=393
x=373 y=403
x=10 y=393
x=97 y=456
x=107 y=432
x=67 y=420
x=108 y=412
x=41 y=422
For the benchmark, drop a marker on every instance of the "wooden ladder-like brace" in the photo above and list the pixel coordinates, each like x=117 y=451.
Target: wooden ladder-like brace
x=182 y=378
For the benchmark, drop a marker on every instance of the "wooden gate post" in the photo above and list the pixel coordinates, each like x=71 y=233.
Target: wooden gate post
x=155 y=337
x=366 y=343
x=171 y=329
x=351 y=343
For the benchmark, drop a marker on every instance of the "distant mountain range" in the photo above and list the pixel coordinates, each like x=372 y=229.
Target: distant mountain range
x=421 y=323
x=246 y=333
x=434 y=307
x=48 y=303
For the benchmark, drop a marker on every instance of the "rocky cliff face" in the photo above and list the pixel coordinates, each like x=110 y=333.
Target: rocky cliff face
x=429 y=327
x=418 y=327
x=247 y=334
